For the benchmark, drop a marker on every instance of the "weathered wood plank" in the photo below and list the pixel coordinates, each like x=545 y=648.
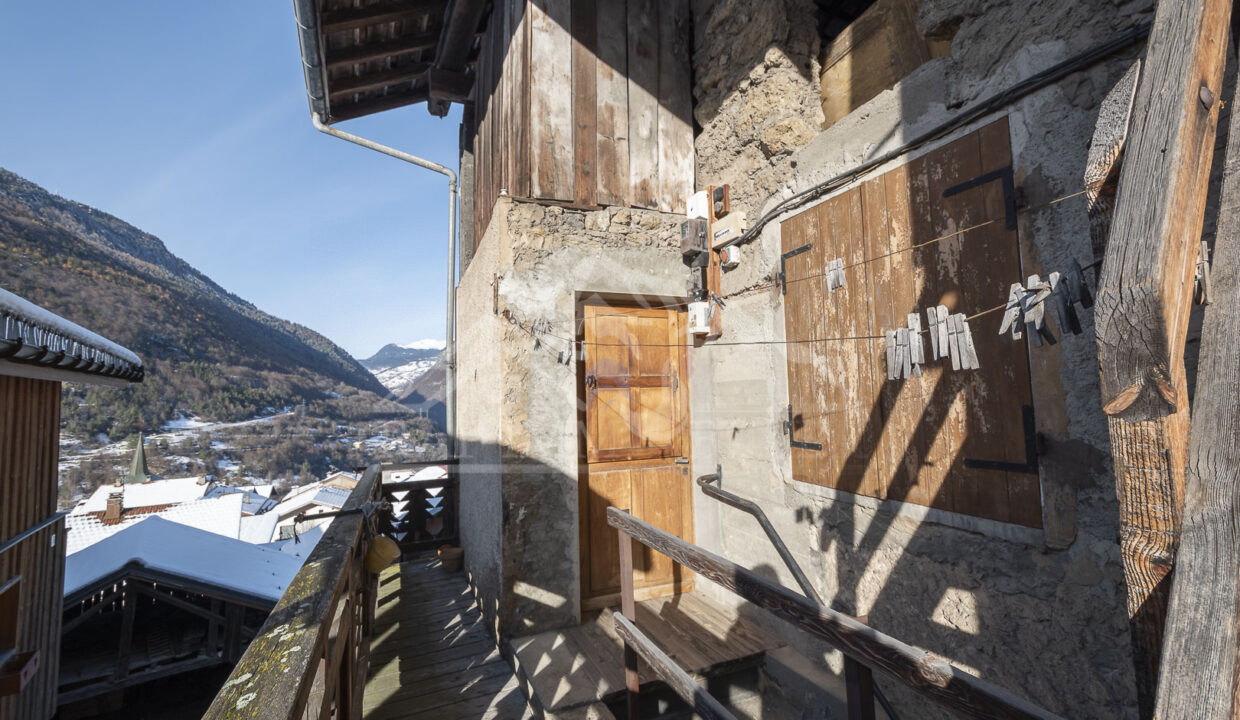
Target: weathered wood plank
x=643 y=61
x=1199 y=657
x=938 y=681
x=1147 y=277
x=676 y=166
x=585 y=101
x=551 y=99
x=612 y=88
x=1143 y=301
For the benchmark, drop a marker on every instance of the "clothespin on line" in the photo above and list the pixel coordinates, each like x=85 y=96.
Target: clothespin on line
x=835 y=274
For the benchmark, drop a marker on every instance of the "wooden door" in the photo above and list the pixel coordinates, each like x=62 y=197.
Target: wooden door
x=635 y=443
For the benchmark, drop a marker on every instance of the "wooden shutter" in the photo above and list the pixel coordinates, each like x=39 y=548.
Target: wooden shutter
x=907 y=440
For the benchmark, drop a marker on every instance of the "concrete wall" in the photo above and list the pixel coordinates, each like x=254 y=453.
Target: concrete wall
x=1038 y=612
x=518 y=390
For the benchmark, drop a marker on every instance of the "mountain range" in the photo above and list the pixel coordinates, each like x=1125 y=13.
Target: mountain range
x=208 y=352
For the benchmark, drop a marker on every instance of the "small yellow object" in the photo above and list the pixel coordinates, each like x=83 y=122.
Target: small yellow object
x=383 y=550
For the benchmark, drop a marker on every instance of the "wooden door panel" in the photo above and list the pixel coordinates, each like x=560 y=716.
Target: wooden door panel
x=636 y=427
x=605 y=489
x=659 y=499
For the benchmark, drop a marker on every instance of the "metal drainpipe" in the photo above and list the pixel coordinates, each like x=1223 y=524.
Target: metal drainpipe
x=453 y=194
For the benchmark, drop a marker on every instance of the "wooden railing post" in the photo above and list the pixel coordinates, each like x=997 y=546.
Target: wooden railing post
x=629 y=610
x=860 y=681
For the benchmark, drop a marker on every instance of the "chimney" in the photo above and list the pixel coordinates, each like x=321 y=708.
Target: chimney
x=116 y=503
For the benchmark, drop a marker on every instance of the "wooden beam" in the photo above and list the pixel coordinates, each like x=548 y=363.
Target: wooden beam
x=401 y=76
x=1147 y=276
x=348 y=111
x=932 y=678
x=1199 y=660
x=449 y=85
x=395 y=48
x=383 y=13
x=459 y=33
x=1143 y=302
x=129 y=600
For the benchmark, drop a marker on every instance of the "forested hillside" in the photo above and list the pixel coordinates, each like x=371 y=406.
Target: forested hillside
x=208 y=353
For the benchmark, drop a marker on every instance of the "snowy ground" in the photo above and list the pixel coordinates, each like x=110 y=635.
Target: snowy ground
x=72 y=453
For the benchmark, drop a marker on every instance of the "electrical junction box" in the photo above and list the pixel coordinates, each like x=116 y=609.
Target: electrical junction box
x=699 y=318
x=693 y=237
x=727 y=229
x=698 y=205
x=730 y=256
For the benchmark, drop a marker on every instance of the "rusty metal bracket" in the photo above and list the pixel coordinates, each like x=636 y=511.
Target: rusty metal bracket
x=783 y=265
x=1003 y=174
x=790 y=426
x=1030 y=465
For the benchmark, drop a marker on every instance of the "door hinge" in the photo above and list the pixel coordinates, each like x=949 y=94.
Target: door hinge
x=789 y=426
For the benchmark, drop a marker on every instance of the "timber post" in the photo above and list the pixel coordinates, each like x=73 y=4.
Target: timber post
x=1199 y=657
x=1144 y=296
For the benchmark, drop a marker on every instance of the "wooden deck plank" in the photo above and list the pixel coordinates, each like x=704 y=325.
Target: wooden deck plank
x=431 y=655
x=574 y=667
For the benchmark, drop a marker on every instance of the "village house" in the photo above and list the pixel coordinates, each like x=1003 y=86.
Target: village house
x=821 y=338
x=38 y=351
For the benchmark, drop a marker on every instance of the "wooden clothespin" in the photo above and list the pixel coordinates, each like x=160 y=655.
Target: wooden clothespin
x=1011 y=314
x=936 y=318
x=1201 y=286
x=960 y=343
x=835 y=274
x=1062 y=305
x=916 y=344
x=1077 y=288
x=893 y=357
x=1033 y=307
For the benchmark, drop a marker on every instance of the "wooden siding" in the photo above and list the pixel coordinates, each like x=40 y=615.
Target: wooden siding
x=29 y=451
x=907 y=440
x=586 y=103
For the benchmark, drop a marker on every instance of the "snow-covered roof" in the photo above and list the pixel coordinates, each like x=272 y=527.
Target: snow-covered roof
x=303 y=543
x=217 y=515
x=432 y=472
x=333 y=496
x=313 y=494
x=41 y=340
x=254 y=503
x=159 y=544
x=138 y=495
x=258 y=529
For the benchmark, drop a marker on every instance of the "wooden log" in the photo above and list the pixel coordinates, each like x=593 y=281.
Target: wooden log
x=1147 y=276
x=1199 y=659
x=1143 y=302
x=678 y=680
x=938 y=681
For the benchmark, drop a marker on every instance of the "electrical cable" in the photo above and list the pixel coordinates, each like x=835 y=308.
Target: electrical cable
x=985 y=107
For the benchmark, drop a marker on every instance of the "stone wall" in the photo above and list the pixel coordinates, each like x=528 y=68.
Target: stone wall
x=545 y=260
x=1040 y=612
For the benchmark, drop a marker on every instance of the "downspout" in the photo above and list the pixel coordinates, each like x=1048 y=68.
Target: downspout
x=453 y=195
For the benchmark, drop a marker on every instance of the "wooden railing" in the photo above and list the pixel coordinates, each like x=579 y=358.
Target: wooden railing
x=936 y=680
x=310 y=658
x=425 y=512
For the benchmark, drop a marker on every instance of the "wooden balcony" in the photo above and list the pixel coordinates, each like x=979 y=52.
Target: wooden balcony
x=344 y=643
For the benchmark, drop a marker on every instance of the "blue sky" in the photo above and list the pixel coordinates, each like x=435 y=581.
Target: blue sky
x=189 y=120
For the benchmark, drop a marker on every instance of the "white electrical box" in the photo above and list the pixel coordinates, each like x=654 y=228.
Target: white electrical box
x=699 y=318
x=698 y=205
x=730 y=256
x=727 y=228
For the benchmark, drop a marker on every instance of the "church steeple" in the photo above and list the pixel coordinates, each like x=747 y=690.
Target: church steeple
x=138 y=472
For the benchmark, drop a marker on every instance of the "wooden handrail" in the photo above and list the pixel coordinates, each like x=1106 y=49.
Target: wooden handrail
x=292 y=668
x=935 y=679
